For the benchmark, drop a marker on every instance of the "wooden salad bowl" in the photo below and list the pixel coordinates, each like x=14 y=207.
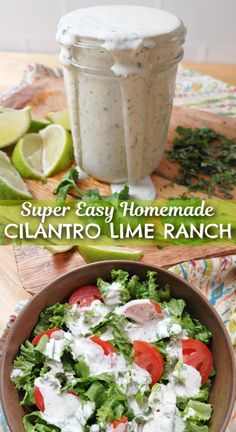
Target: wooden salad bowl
x=223 y=392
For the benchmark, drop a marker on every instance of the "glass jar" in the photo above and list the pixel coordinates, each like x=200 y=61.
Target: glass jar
x=120 y=102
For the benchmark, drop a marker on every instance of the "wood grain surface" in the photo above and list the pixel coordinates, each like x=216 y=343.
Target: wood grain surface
x=36 y=266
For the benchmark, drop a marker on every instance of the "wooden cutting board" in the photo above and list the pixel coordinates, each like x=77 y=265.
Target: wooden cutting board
x=36 y=266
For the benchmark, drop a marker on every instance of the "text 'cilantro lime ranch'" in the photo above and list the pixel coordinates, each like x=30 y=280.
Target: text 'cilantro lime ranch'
x=120 y=220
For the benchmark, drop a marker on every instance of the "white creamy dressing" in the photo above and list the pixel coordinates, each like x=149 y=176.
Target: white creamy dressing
x=64 y=410
x=163 y=403
x=166 y=415
x=186 y=382
x=81 y=320
x=148 y=326
x=55 y=348
x=174 y=349
x=95 y=358
x=135 y=380
x=16 y=373
x=112 y=297
x=71 y=413
x=190 y=413
x=126 y=115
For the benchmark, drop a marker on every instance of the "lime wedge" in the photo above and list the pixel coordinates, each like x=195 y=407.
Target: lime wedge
x=11 y=184
x=60 y=117
x=13 y=125
x=27 y=156
x=37 y=125
x=57 y=149
x=58 y=249
x=43 y=154
x=103 y=253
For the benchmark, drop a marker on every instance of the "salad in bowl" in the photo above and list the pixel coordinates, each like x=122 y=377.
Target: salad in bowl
x=118 y=356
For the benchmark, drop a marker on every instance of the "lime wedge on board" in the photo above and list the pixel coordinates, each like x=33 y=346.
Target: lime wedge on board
x=11 y=184
x=60 y=117
x=27 y=156
x=103 y=253
x=57 y=149
x=13 y=125
x=44 y=154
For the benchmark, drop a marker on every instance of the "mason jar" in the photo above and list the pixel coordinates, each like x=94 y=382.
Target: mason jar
x=120 y=88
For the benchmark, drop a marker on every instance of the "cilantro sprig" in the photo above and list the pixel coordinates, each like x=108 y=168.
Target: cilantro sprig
x=69 y=182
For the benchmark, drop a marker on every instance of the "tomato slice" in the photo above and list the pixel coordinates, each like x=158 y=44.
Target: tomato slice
x=107 y=346
x=123 y=420
x=157 y=307
x=148 y=357
x=38 y=397
x=48 y=332
x=198 y=355
x=84 y=296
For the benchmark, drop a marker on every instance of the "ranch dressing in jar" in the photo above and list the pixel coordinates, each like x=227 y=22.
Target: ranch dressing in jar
x=120 y=64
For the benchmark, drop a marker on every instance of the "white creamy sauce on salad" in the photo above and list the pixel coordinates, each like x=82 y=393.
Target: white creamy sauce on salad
x=127 y=114
x=17 y=373
x=154 y=407
x=80 y=321
x=65 y=410
x=148 y=326
x=113 y=295
x=54 y=349
x=186 y=382
x=95 y=358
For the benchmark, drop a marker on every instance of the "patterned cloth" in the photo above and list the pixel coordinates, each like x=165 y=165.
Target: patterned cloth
x=203 y=92
x=215 y=277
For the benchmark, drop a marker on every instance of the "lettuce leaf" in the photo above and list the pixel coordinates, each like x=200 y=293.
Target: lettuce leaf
x=196 y=427
x=81 y=369
x=29 y=363
x=115 y=406
x=51 y=317
x=34 y=423
x=175 y=307
x=197 y=411
x=121 y=339
x=202 y=396
x=96 y=393
x=118 y=276
x=134 y=288
x=144 y=289
x=195 y=328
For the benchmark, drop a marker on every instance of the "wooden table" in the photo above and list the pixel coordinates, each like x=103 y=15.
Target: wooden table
x=11 y=66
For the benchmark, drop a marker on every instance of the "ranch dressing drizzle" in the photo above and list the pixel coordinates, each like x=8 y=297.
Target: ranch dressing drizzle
x=128 y=33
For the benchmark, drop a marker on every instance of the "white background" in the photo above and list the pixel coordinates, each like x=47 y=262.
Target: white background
x=30 y=25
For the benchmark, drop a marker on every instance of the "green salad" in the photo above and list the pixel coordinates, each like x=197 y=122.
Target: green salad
x=121 y=356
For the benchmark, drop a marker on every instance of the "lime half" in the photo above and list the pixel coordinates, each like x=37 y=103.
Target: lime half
x=60 y=117
x=103 y=253
x=13 y=125
x=27 y=156
x=11 y=184
x=57 y=149
x=43 y=154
